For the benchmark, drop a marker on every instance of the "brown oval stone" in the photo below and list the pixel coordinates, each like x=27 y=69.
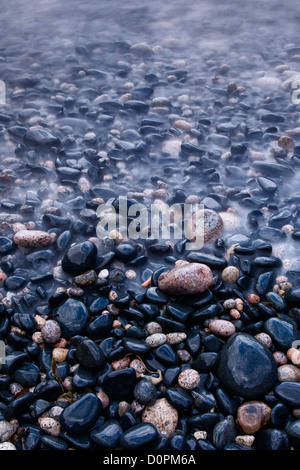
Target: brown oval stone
x=163 y=416
x=204 y=224
x=222 y=327
x=192 y=278
x=252 y=416
x=32 y=238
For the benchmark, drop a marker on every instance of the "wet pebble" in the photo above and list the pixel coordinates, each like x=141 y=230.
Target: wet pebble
x=138 y=436
x=145 y=392
x=205 y=224
x=79 y=258
x=288 y=373
x=243 y=356
x=189 y=379
x=252 y=416
x=51 y=331
x=81 y=415
x=230 y=274
x=156 y=339
x=33 y=238
x=189 y=279
x=222 y=328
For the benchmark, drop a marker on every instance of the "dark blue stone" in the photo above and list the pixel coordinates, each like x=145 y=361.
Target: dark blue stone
x=179 y=312
x=278 y=302
x=180 y=399
x=293 y=430
x=72 y=317
x=279 y=415
x=265 y=262
x=63 y=240
x=281 y=332
x=27 y=375
x=126 y=252
x=271 y=439
x=13 y=361
x=40 y=137
x=6 y=245
x=203 y=444
x=225 y=402
x=48 y=390
x=145 y=392
x=14 y=282
x=289 y=393
x=203 y=400
x=54 y=443
x=119 y=384
x=264 y=282
x=83 y=378
x=39 y=407
x=205 y=362
x=98 y=305
x=108 y=434
x=170 y=326
x=79 y=441
x=136 y=346
x=193 y=342
x=81 y=415
x=167 y=355
x=246 y=367
x=204 y=420
x=18 y=406
x=292 y=297
x=150 y=311
x=138 y=436
x=80 y=258
x=171 y=375
x=205 y=258
x=100 y=327
x=212 y=344
x=89 y=354
x=224 y=432
x=178 y=441
x=32 y=438
x=154 y=295
x=206 y=312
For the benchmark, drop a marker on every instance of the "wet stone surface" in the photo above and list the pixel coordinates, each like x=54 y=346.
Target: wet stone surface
x=135 y=339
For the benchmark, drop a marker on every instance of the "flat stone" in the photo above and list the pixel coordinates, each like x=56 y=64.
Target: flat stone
x=138 y=436
x=81 y=415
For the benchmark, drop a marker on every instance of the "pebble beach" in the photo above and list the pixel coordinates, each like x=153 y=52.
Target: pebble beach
x=121 y=343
